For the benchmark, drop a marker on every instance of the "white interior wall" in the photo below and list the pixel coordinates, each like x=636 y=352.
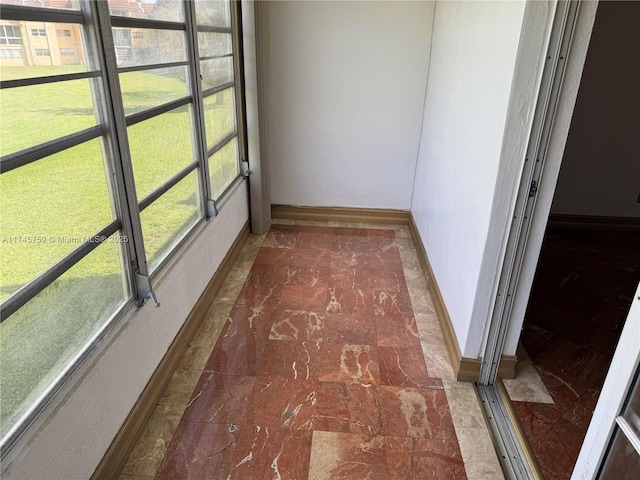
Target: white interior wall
x=345 y=84
x=600 y=172
x=74 y=437
x=474 y=47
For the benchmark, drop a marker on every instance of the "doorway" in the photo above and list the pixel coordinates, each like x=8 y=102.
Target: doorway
x=589 y=263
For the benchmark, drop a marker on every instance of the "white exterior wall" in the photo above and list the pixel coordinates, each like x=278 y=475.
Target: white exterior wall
x=74 y=437
x=345 y=84
x=474 y=47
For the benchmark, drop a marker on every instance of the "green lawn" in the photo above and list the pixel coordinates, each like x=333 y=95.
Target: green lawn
x=68 y=195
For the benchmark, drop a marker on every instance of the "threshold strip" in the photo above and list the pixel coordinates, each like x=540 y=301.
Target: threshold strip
x=505 y=439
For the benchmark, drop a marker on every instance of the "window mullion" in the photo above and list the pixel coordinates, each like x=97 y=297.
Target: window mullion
x=238 y=78
x=198 y=107
x=123 y=178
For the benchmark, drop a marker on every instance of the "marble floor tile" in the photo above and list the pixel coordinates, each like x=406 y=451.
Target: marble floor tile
x=422 y=458
x=307 y=276
x=240 y=347
x=579 y=301
x=402 y=367
x=281 y=238
x=390 y=279
x=323 y=362
x=527 y=386
x=392 y=303
x=397 y=331
x=414 y=412
x=148 y=453
x=353 y=278
x=350 y=300
x=220 y=399
x=273 y=256
x=348 y=363
x=283 y=403
x=313 y=299
x=297 y=325
x=346 y=456
x=291 y=359
x=347 y=407
x=319 y=239
x=199 y=450
x=344 y=328
x=311 y=257
x=265 y=453
x=429 y=330
x=340 y=259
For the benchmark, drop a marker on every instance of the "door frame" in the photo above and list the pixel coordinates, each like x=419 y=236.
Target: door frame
x=622 y=371
x=516 y=233
x=551 y=55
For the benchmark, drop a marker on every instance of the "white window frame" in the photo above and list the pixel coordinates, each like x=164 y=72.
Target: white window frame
x=97 y=21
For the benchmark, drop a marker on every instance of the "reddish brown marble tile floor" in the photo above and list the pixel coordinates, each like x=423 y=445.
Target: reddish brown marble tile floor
x=581 y=295
x=318 y=372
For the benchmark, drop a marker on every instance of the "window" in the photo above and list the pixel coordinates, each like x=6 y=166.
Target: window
x=10 y=53
x=215 y=48
x=95 y=246
x=121 y=37
x=38 y=32
x=10 y=35
x=123 y=54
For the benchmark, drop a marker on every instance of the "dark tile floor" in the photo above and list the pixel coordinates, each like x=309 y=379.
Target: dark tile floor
x=580 y=299
x=318 y=372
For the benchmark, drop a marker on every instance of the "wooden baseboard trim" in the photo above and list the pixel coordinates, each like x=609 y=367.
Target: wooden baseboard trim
x=116 y=456
x=507 y=367
x=340 y=214
x=465 y=369
x=587 y=222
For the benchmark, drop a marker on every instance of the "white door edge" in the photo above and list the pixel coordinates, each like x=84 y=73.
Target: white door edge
x=614 y=392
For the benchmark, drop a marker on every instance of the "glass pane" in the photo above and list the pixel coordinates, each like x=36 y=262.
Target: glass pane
x=223 y=167
x=167 y=220
x=144 y=90
x=160 y=148
x=213 y=13
x=146 y=46
x=214 y=44
x=47 y=211
x=43 y=337
x=57 y=5
x=216 y=72
x=622 y=462
x=171 y=10
x=219 y=116
x=36 y=114
x=37 y=49
x=632 y=410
